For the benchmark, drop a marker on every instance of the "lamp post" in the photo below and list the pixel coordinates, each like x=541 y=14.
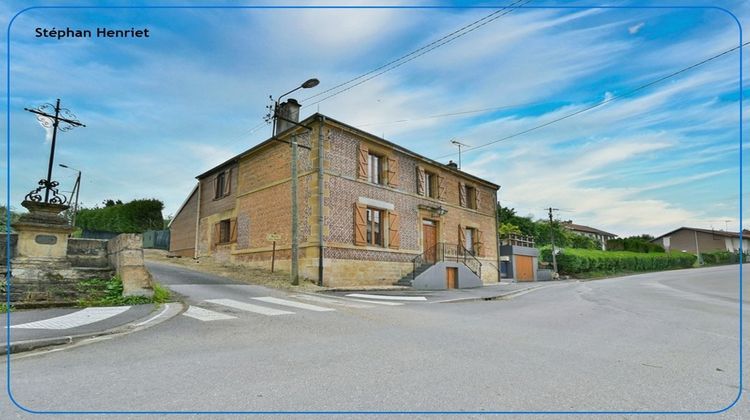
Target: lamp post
x=76 y=190
x=295 y=210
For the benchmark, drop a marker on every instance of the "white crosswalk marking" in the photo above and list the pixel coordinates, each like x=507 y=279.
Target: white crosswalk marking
x=206 y=315
x=249 y=307
x=76 y=319
x=387 y=297
x=293 y=304
x=338 y=301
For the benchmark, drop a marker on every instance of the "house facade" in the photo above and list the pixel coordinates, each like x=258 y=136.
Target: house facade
x=695 y=240
x=370 y=211
x=596 y=234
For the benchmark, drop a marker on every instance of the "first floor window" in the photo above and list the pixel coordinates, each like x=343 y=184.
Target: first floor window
x=469 y=240
x=374 y=226
x=375 y=169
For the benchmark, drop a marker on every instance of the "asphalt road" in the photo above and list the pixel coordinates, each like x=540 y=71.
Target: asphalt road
x=655 y=342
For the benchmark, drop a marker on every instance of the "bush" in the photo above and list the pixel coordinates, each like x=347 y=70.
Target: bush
x=576 y=261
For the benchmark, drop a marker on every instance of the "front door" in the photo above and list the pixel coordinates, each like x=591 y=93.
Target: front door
x=451 y=276
x=429 y=240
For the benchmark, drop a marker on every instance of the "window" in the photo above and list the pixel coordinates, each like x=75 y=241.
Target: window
x=430 y=189
x=374 y=227
x=469 y=240
x=224 y=231
x=375 y=169
x=220 y=180
x=467 y=196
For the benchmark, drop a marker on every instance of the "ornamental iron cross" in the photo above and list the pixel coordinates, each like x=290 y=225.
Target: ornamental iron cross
x=45 y=118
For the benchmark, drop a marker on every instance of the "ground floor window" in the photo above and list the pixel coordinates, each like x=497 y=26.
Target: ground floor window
x=374 y=226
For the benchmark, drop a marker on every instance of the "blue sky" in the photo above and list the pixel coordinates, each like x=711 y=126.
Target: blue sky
x=161 y=110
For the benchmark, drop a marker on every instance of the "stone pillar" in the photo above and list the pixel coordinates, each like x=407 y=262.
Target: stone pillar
x=42 y=233
x=125 y=253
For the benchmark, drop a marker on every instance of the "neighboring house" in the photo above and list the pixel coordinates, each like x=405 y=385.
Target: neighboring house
x=593 y=233
x=694 y=240
x=385 y=211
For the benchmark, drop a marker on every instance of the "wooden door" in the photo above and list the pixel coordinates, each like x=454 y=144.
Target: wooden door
x=524 y=268
x=429 y=232
x=451 y=277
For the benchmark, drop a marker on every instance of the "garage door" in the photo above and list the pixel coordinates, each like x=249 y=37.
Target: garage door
x=524 y=268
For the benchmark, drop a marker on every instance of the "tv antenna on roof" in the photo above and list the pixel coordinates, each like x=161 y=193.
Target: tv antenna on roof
x=459 y=144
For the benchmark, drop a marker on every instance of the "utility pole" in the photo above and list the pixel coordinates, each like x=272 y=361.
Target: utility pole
x=45 y=118
x=552 y=239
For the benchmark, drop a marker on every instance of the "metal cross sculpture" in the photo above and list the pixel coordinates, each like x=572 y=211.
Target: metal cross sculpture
x=46 y=118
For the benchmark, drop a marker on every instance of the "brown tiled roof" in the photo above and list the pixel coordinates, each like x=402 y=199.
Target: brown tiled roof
x=589 y=229
x=745 y=233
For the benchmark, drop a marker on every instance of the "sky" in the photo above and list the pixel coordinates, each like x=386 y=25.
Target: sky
x=557 y=105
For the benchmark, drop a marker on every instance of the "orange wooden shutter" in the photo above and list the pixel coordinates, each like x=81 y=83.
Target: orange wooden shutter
x=217 y=233
x=420 y=181
x=441 y=187
x=394 y=240
x=462 y=194
x=392 y=172
x=478 y=249
x=461 y=239
x=477 y=198
x=364 y=153
x=233 y=230
x=360 y=224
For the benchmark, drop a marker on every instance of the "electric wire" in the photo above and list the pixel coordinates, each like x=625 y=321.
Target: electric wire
x=604 y=102
x=394 y=64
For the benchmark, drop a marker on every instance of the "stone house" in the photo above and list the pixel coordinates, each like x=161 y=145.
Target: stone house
x=596 y=234
x=372 y=213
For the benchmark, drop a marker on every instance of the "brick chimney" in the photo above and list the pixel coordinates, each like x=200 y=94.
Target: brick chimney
x=290 y=111
x=452 y=164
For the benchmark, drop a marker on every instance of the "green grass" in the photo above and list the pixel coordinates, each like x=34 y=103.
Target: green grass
x=100 y=292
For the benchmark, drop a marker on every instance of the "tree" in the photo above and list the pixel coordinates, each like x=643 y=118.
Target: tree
x=507 y=215
x=136 y=216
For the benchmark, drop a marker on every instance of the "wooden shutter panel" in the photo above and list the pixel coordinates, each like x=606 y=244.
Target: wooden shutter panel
x=462 y=194
x=233 y=230
x=394 y=224
x=461 y=239
x=420 y=181
x=360 y=224
x=441 y=187
x=392 y=172
x=477 y=198
x=217 y=233
x=478 y=249
x=227 y=182
x=363 y=157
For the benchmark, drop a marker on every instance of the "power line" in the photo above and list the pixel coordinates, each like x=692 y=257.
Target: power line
x=394 y=64
x=606 y=101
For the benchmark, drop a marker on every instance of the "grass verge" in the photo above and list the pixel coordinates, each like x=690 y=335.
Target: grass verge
x=101 y=292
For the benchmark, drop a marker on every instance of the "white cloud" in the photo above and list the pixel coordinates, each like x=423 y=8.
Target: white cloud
x=632 y=30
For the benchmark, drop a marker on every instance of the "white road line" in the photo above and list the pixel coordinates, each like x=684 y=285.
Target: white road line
x=386 y=297
x=76 y=319
x=378 y=303
x=293 y=304
x=163 y=311
x=249 y=307
x=206 y=315
x=337 y=301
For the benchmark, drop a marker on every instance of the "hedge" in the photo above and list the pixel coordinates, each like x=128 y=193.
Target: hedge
x=574 y=261
x=722 y=257
x=136 y=216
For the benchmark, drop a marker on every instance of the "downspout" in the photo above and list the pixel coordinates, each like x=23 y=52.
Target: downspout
x=197 y=221
x=321 y=122
x=497 y=240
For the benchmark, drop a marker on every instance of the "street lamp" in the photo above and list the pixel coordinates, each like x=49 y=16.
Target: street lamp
x=76 y=189
x=295 y=216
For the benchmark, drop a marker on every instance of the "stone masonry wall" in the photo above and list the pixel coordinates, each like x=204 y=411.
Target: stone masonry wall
x=125 y=253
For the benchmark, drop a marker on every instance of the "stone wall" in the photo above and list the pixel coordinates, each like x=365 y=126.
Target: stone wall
x=88 y=252
x=125 y=254
x=3 y=247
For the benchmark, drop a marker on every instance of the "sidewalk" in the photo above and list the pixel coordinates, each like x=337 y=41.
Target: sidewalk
x=37 y=328
x=487 y=292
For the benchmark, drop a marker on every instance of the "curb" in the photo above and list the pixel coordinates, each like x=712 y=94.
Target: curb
x=494 y=297
x=132 y=326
